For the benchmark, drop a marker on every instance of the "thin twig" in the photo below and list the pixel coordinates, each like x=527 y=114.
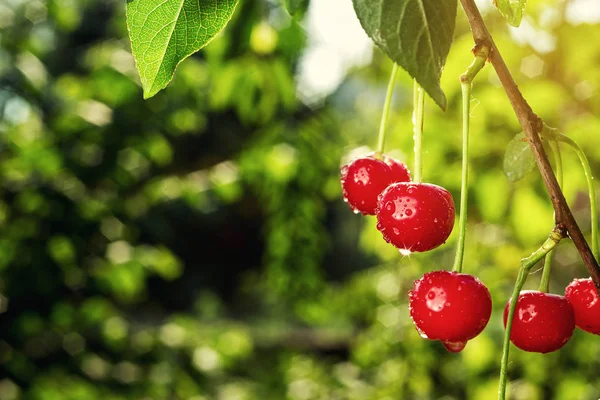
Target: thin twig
x=532 y=125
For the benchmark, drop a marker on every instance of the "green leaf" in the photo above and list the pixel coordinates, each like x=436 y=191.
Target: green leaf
x=518 y=158
x=512 y=10
x=165 y=32
x=297 y=8
x=416 y=34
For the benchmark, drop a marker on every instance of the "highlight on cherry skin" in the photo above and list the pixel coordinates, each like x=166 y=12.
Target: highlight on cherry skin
x=543 y=322
x=364 y=178
x=449 y=306
x=586 y=304
x=415 y=217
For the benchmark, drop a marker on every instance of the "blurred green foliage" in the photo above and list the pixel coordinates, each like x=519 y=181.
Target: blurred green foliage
x=195 y=245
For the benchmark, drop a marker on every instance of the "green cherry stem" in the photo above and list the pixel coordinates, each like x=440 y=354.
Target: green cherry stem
x=590 y=182
x=386 y=110
x=521 y=278
x=465 y=82
x=464 y=186
x=545 y=281
x=417 y=119
x=526 y=264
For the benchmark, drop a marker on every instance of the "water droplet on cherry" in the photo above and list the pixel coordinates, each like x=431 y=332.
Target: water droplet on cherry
x=454 y=347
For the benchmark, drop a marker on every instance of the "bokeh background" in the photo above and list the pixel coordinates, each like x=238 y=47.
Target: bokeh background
x=196 y=246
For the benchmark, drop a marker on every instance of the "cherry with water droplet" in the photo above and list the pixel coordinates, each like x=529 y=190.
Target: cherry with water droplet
x=586 y=304
x=364 y=178
x=543 y=322
x=449 y=306
x=415 y=216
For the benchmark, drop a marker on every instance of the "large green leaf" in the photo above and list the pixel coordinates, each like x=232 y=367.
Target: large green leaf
x=416 y=34
x=512 y=10
x=165 y=32
x=518 y=158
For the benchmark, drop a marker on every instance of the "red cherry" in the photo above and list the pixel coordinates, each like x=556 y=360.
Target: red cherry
x=415 y=216
x=400 y=172
x=543 y=322
x=584 y=298
x=363 y=179
x=449 y=306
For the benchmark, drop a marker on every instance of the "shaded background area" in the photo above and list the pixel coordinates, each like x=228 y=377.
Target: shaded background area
x=195 y=245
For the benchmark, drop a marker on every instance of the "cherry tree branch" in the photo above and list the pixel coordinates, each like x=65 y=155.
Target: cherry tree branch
x=532 y=125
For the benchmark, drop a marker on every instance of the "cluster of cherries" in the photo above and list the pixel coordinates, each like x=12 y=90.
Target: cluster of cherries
x=449 y=306
x=545 y=322
x=412 y=216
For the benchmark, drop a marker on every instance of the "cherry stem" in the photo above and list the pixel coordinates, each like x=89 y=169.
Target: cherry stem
x=417 y=119
x=554 y=238
x=466 y=80
x=545 y=281
x=589 y=178
x=386 y=110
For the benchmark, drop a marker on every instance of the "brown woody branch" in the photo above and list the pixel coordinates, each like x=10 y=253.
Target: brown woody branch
x=532 y=126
